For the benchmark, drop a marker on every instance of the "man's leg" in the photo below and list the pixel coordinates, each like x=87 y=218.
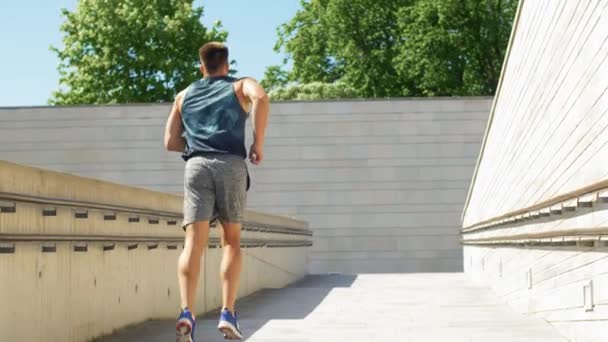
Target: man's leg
x=231 y=267
x=230 y=200
x=189 y=263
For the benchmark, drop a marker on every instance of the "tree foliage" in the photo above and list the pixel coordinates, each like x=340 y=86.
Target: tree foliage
x=274 y=77
x=388 y=48
x=313 y=91
x=454 y=47
x=120 y=51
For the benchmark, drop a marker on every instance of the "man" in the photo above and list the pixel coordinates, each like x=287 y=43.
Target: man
x=207 y=125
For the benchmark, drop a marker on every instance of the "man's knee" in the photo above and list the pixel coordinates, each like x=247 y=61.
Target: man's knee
x=196 y=237
x=231 y=234
x=193 y=251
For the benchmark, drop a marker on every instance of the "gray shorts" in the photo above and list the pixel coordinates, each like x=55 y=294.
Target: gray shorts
x=215 y=186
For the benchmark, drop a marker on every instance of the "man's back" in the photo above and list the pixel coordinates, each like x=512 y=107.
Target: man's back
x=213 y=118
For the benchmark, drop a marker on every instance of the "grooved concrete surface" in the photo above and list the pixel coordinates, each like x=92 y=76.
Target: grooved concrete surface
x=373 y=307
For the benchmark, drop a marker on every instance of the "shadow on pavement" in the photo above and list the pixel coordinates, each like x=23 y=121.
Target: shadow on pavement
x=294 y=302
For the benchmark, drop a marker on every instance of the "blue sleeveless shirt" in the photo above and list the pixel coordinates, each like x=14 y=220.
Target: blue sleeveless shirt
x=213 y=118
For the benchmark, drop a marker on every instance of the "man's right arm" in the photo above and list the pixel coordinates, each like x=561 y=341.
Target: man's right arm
x=174 y=128
x=260 y=106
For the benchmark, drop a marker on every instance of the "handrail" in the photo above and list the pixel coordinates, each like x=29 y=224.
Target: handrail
x=213 y=241
x=602 y=231
x=510 y=216
x=83 y=204
x=247 y=225
x=266 y=228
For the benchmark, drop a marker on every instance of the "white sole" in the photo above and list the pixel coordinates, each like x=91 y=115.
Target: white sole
x=230 y=332
x=183 y=330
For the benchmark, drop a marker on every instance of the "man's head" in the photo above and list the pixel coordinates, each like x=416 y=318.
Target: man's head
x=214 y=59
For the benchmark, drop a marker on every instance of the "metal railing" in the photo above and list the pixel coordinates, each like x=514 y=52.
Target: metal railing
x=9 y=203
x=532 y=226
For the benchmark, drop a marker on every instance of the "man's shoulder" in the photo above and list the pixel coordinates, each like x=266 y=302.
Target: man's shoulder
x=246 y=78
x=181 y=95
x=240 y=82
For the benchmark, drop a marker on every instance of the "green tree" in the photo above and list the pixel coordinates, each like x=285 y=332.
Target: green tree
x=348 y=40
x=121 y=51
x=453 y=47
x=387 y=48
x=274 y=77
x=313 y=91
x=304 y=38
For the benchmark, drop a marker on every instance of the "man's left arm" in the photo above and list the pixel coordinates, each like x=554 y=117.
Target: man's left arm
x=174 y=128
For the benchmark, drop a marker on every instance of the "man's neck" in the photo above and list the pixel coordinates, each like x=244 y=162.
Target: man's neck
x=215 y=75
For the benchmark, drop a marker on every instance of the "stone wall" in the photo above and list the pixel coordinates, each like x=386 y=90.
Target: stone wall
x=80 y=258
x=382 y=183
x=536 y=221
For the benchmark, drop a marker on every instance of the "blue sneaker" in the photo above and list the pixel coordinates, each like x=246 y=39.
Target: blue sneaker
x=229 y=325
x=185 y=326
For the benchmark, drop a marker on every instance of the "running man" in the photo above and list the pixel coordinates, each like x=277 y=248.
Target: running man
x=207 y=125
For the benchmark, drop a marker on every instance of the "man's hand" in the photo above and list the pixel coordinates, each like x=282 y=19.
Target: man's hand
x=256 y=153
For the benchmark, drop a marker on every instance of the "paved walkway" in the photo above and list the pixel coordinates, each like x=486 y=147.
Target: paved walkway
x=367 y=308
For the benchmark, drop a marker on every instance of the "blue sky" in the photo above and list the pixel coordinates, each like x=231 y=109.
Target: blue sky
x=28 y=69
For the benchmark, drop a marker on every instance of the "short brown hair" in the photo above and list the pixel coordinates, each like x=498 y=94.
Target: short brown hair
x=213 y=55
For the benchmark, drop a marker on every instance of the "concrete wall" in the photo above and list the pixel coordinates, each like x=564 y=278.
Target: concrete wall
x=536 y=221
x=548 y=132
x=382 y=183
x=549 y=283
x=67 y=277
